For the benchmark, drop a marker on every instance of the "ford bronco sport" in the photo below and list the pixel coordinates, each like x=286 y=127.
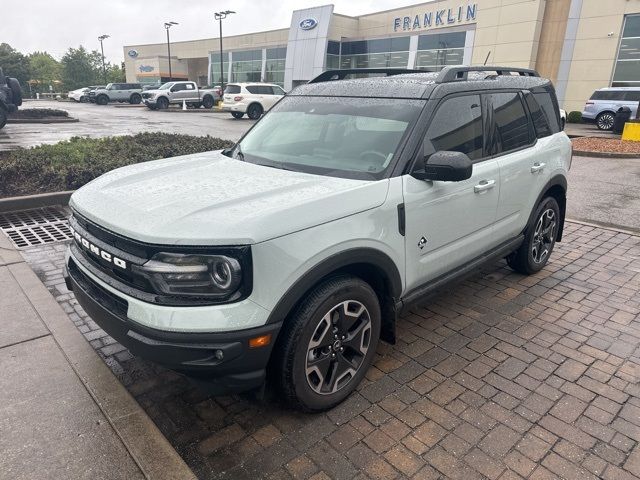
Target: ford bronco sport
x=291 y=254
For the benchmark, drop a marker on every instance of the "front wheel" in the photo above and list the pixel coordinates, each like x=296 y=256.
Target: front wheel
x=254 y=111
x=102 y=100
x=604 y=121
x=328 y=344
x=539 y=239
x=162 y=103
x=237 y=114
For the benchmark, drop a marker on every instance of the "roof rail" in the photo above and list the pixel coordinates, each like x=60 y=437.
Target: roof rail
x=331 y=75
x=459 y=73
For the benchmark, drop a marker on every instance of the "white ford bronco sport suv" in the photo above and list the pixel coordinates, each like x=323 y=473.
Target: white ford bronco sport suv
x=291 y=254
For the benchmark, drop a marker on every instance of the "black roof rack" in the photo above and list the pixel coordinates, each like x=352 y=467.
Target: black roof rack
x=331 y=75
x=457 y=74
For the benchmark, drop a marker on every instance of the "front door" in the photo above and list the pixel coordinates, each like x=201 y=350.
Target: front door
x=451 y=223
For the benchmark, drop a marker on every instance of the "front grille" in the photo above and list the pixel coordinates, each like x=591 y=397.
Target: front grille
x=104 y=297
x=146 y=95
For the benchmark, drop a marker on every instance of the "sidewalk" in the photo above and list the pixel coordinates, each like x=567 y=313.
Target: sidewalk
x=63 y=414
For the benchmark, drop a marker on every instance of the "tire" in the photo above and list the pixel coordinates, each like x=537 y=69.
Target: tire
x=83 y=99
x=254 y=112
x=237 y=114
x=102 y=100
x=536 y=249
x=135 y=99
x=604 y=121
x=162 y=103
x=207 y=101
x=3 y=118
x=16 y=91
x=312 y=331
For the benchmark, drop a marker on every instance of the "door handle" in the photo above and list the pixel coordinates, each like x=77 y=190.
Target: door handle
x=484 y=185
x=537 y=167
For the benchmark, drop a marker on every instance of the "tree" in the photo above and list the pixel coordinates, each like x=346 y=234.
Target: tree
x=14 y=63
x=44 y=69
x=115 y=73
x=81 y=68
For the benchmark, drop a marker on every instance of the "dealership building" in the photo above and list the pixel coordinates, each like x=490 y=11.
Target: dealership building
x=581 y=45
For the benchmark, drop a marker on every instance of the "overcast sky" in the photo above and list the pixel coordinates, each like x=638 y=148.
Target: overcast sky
x=54 y=26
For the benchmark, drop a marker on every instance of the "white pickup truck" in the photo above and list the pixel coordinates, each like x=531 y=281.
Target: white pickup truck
x=179 y=92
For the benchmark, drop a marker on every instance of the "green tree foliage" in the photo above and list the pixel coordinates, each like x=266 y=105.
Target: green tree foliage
x=81 y=68
x=44 y=70
x=14 y=63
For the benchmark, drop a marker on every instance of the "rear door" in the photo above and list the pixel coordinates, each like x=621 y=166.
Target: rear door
x=269 y=97
x=451 y=223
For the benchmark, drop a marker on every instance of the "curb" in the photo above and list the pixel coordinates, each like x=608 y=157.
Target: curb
x=42 y=120
x=27 y=202
x=605 y=226
x=583 y=153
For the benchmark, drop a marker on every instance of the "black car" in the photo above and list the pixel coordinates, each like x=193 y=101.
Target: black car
x=10 y=97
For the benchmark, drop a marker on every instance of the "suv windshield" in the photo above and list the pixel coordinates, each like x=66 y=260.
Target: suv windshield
x=345 y=137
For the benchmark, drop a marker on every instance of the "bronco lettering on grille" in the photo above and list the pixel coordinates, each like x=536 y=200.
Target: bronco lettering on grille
x=97 y=251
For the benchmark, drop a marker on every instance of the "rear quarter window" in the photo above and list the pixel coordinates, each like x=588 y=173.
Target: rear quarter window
x=546 y=113
x=607 y=95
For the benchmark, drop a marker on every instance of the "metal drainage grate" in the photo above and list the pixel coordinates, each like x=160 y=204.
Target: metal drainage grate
x=29 y=228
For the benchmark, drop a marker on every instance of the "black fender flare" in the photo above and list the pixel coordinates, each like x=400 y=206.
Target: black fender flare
x=371 y=257
x=556 y=181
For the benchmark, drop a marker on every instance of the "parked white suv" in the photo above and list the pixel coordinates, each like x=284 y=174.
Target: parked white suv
x=251 y=98
x=294 y=251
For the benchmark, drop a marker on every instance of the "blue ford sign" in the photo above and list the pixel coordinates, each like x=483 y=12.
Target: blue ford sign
x=308 y=24
x=132 y=53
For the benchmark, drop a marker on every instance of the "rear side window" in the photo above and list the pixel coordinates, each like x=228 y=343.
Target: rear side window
x=456 y=126
x=511 y=123
x=549 y=105
x=254 y=89
x=232 y=89
x=632 y=96
x=540 y=122
x=607 y=95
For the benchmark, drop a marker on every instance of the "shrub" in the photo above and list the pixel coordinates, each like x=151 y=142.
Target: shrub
x=39 y=113
x=69 y=165
x=574 y=117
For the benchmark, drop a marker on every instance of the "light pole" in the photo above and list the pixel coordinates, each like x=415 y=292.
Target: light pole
x=104 y=71
x=167 y=26
x=221 y=16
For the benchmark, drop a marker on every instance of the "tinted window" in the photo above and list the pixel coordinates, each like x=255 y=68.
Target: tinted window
x=549 y=105
x=511 y=123
x=255 y=89
x=632 y=96
x=231 y=89
x=456 y=126
x=608 y=95
x=540 y=121
x=177 y=87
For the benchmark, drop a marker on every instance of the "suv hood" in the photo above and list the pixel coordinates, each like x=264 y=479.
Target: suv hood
x=155 y=91
x=210 y=199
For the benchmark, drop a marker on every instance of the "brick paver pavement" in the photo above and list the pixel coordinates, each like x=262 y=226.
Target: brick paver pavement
x=503 y=377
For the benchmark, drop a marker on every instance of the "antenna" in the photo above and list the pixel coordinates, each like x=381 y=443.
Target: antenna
x=487 y=59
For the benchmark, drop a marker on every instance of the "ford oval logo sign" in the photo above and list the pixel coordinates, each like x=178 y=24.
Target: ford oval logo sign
x=132 y=53
x=308 y=24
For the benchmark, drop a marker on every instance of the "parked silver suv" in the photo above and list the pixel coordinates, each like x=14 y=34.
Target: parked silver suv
x=601 y=108
x=117 y=92
x=295 y=251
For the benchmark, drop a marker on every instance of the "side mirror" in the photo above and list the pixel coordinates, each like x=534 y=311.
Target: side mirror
x=446 y=166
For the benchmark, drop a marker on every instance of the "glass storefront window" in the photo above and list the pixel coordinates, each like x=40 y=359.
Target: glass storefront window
x=215 y=68
x=439 y=50
x=627 y=71
x=377 y=53
x=246 y=66
x=275 y=63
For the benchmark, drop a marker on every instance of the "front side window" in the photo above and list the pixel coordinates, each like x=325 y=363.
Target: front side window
x=343 y=137
x=456 y=126
x=511 y=123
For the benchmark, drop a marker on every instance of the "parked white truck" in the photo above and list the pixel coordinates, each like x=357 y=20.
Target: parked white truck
x=179 y=92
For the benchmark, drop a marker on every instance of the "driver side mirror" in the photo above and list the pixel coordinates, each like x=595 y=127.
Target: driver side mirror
x=445 y=166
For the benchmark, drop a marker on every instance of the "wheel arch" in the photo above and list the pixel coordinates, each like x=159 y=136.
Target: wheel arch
x=556 y=188
x=371 y=265
x=255 y=102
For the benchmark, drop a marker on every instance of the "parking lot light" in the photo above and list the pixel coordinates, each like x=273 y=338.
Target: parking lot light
x=221 y=16
x=167 y=26
x=101 y=38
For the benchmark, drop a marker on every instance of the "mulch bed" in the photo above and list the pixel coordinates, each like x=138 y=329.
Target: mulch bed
x=605 y=145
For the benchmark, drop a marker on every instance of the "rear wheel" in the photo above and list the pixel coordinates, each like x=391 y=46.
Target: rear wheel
x=539 y=239
x=207 y=101
x=3 y=118
x=16 y=91
x=604 y=121
x=254 y=112
x=237 y=114
x=162 y=103
x=135 y=99
x=102 y=100
x=328 y=345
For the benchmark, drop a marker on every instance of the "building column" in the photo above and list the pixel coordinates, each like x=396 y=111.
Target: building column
x=263 y=74
x=413 y=49
x=469 y=40
x=566 y=56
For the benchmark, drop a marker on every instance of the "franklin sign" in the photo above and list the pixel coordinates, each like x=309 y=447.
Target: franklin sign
x=437 y=18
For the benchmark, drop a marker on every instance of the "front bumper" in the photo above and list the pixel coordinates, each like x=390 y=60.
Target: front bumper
x=150 y=102
x=221 y=362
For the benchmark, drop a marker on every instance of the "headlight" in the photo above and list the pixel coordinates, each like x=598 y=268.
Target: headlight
x=193 y=275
